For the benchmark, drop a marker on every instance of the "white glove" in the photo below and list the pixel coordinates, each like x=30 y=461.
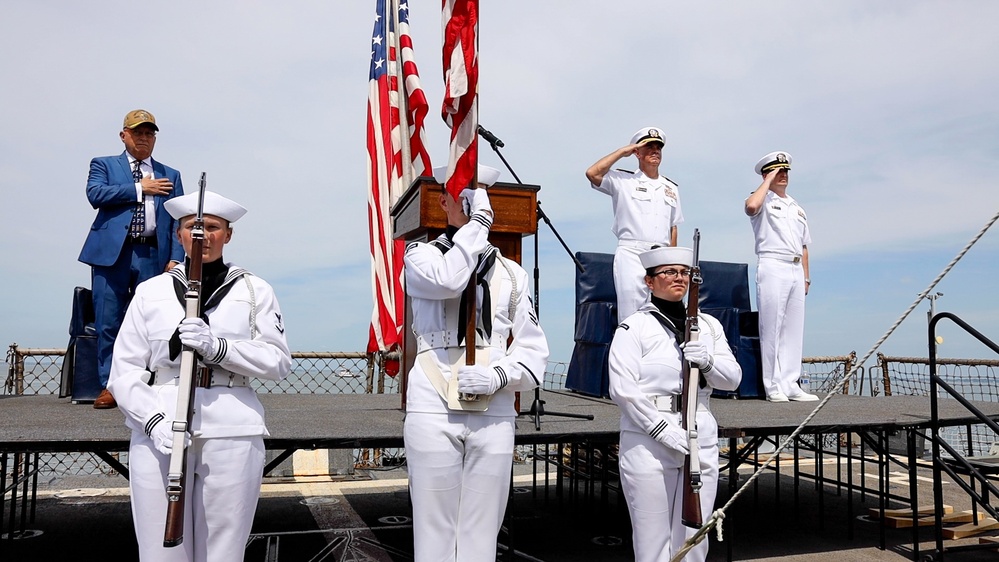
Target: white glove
x=478 y=379
x=194 y=333
x=475 y=201
x=162 y=436
x=697 y=354
x=673 y=437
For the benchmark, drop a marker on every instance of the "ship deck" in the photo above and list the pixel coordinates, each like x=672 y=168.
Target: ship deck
x=870 y=475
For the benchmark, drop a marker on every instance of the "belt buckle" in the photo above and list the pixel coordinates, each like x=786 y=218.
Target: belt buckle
x=204 y=377
x=797 y=259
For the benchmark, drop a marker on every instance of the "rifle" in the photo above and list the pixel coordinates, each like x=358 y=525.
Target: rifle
x=176 y=493
x=471 y=298
x=690 y=379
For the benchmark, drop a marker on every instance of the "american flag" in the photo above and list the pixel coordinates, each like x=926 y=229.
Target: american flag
x=396 y=156
x=460 y=23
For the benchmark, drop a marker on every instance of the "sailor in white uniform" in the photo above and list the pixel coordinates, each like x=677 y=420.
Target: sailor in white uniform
x=460 y=453
x=782 y=238
x=646 y=212
x=645 y=383
x=240 y=336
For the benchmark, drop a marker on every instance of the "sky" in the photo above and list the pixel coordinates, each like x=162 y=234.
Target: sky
x=889 y=110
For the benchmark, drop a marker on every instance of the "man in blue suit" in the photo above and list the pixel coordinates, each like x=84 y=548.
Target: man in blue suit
x=133 y=237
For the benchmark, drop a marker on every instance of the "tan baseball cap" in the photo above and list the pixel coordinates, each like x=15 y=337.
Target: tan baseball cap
x=137 y=117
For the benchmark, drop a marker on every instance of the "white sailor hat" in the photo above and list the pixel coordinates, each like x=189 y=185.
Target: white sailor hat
x=649 y=134
x=486 y=176
x=215 y=204
x=773 y=161
x=667 y=255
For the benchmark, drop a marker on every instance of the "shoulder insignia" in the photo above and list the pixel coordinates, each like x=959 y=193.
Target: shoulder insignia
x=624 y=326
x=623 y=170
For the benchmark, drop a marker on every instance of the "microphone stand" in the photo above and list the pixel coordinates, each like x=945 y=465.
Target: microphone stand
x=538 y=406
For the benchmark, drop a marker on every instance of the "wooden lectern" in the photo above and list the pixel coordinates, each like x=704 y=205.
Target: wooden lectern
x=417 y=217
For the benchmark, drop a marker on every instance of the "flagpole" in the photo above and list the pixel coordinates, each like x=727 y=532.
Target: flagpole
x=470 y=291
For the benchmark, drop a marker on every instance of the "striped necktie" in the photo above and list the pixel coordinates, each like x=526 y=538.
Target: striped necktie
x=138 y=224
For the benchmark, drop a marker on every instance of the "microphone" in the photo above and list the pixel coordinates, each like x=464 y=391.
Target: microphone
x=490 y=137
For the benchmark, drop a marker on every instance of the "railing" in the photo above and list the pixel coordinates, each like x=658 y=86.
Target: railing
x=32 y=371
x=975 y=379
x=957 y=463
x=824 y=372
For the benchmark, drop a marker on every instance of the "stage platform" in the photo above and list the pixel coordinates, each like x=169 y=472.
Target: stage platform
x=44 y=423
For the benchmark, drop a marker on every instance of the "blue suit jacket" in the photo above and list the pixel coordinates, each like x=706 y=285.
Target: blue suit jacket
x=111 y=190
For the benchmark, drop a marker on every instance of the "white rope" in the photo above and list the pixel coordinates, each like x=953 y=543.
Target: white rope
x=719 y=514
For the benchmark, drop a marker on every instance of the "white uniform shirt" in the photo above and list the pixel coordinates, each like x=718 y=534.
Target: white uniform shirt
x=645 y=361
x=434 y=277
x=143 y=347
x=645 y=209
x=781 y=226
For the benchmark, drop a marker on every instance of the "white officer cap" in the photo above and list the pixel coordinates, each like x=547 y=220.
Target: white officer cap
x=649 y=134
x=773 y=161
x=215 y=204
x=486 y=176
x=667 y=255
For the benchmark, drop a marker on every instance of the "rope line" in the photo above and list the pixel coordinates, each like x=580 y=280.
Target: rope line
x=719 y=514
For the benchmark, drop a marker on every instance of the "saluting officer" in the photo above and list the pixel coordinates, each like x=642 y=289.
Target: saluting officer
x=646 y=212
x=646 y=358
x=782 y=238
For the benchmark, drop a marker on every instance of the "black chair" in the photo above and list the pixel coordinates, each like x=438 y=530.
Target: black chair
x=79 y=377
x=596 y=319
x=724 y=294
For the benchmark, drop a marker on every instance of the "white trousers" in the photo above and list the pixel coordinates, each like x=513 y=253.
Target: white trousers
x=459 y=481
x=651 y=479
x=223 y=485
x=780 y=296
x=629 y=280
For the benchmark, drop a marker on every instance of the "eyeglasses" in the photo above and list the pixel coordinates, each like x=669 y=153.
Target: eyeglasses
x=672 y=273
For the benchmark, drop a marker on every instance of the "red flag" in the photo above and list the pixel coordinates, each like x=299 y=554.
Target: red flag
x=460 y=22
x=396 y=156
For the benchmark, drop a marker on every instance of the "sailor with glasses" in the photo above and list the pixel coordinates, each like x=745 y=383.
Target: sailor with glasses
x=645 y=382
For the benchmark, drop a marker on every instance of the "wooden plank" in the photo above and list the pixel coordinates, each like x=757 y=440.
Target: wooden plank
x=875 y=513
x=970 y=529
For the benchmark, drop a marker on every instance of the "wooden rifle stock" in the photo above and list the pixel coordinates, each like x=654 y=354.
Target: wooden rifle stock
x=173 y=533
x=691 y=512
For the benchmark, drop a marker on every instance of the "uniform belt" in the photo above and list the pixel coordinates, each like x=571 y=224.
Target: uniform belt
x=205 y=377
x=643 y=244
x=143 y=240
x=673 y=404
x=436 y=340
x=666 y=402
x=793 y=258
x=447 y=338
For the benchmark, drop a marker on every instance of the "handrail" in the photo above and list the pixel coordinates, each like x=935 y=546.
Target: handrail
x=935 y=384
